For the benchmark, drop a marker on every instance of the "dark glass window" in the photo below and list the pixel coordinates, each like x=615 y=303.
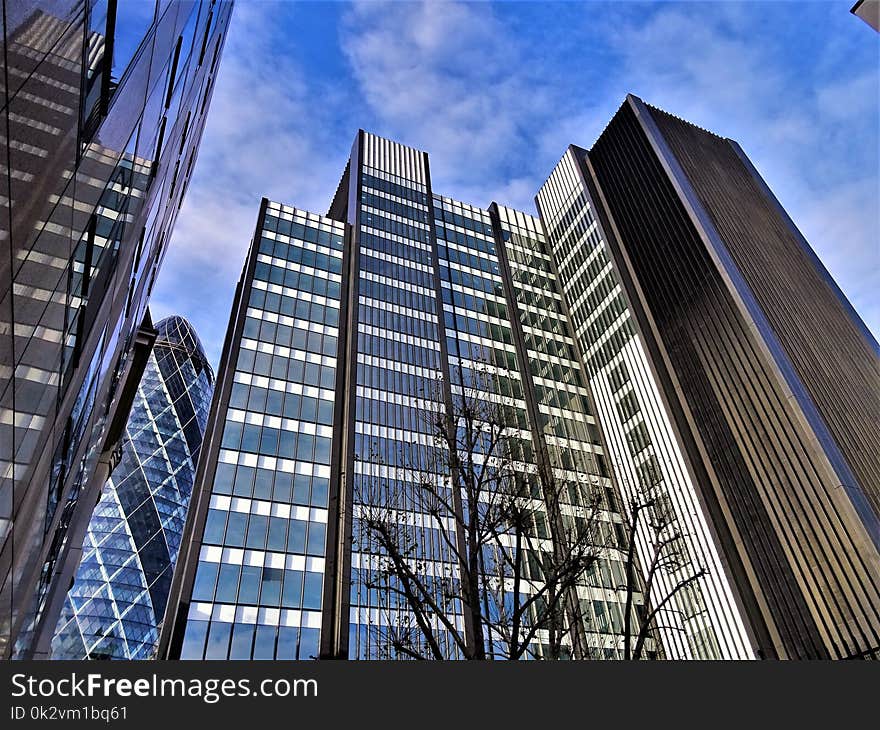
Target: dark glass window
x=218 y=641
x=242 y=640
x=227 y=583
x=249 y=590
x=235 y=529
x=270 y=594
x=264 y=642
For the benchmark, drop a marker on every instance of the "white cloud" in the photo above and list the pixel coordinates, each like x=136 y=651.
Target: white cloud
x=495 y=103
x=806 y=135
x=451 y=79
x=268 y=133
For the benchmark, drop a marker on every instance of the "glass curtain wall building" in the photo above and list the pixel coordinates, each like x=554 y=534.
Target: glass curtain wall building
x=255 y=572
x=116 y=604
x=416 y=302
x=103 y=106
x=702 y=382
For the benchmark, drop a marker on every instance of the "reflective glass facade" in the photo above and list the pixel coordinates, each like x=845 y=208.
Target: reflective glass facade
x=116 y=604
x=425 y=310
x=400 y=369
x=564 y=417
x=103 y=106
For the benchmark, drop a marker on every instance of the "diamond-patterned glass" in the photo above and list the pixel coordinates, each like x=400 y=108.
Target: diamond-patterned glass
x=116 y=603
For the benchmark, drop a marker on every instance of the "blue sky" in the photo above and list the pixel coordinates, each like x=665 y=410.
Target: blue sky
x=495 y=93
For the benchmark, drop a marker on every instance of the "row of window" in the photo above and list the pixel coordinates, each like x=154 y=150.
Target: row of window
x=540 y=299
x=466 y=322
x=483 y=353
x=267 y=484
x=302 y=232
x=476 y=304
x=292 y=369
x=269 y=441
x=394 y=415
x=472 y=281
x=393 y=188
x=398 y=351
x=462 y=239
x=549 y=345
x=398 y=228
x=554 y=371
x=402 y=273
x=284 y=334
x=396 y=322
x=283 y=304
x=278 y=366
x=404 y=454
x=295 y=406
x=284 y=276
x=402 y=294
x=395 y=248
x=480 y=263
x=263 y=532
x=248 y=641
x=444 y=215
x=606 y=318
x=392 y=206
x=394 y=381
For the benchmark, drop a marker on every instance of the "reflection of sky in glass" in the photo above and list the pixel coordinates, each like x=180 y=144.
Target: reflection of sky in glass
x=133 y=19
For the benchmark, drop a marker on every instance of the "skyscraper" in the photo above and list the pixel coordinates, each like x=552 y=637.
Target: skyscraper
x=103 y=107
x=253 y=556
x=342 y=327
x=703 y=621
x=117 y=601
x=869 y=11
x=770 y=377
x=660 y=332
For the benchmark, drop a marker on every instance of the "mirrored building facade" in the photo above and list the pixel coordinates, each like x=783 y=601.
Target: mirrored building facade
x=625 y=372
x=103 y=106
x=116 y=604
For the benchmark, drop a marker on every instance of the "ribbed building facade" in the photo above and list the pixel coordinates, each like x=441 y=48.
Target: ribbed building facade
x=626 y=370
x=703 y=621
x=769 y=374
x=115 y=607
x=103 y=106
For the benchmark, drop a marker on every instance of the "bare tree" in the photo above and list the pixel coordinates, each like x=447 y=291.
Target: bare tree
x=471 y=549
x=668 y=568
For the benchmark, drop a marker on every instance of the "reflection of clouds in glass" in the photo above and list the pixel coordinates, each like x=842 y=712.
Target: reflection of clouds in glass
x=90 y=209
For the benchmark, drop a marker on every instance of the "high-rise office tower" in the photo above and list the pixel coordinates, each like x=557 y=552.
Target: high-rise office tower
x=769 y=377
x=117 y=601
x=869 y=11
x=660 y=332
x=703 y=621
x=103 y=106
x=341 y=330
x=253 y=557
